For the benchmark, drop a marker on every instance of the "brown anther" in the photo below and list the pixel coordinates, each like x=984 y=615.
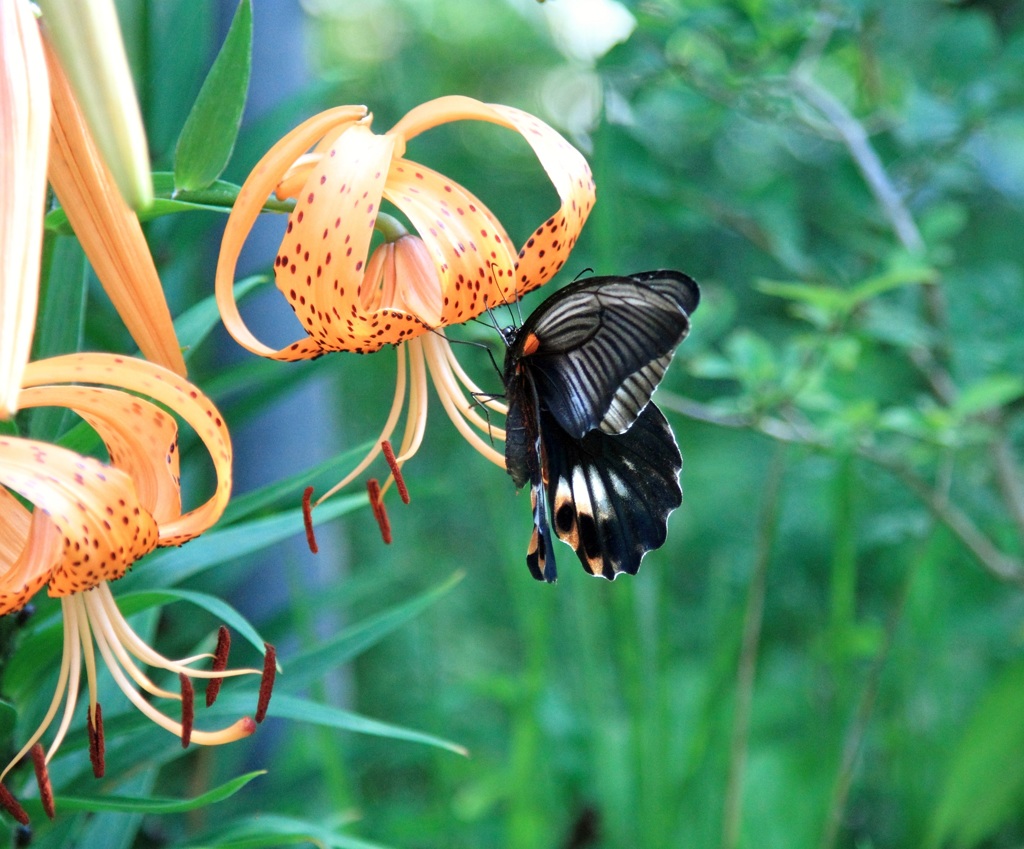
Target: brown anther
x=396 y=471
x=188 y=709
x=10 y=804
x=307 y=519
x=266 y=681
x=379 y=513
x=220 y=663
x=43 y=780
x=97 y=746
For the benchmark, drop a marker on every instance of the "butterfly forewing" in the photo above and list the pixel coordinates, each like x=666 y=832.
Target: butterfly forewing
x=598 y=348
x=600 y=459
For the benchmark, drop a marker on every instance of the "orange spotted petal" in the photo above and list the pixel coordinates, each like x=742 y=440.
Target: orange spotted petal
x=169 y=389
x=24 y=141
x=470 y=248
x=545 y=252
x=263 y=180
x=141 y=439
x=29 y=547
x=321 y=267
x=101 y=525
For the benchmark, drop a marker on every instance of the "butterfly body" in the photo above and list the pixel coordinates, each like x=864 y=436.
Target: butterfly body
x=600 y=458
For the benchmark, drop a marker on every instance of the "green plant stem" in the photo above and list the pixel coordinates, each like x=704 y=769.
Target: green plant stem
x=747 y=668
x=858 y=726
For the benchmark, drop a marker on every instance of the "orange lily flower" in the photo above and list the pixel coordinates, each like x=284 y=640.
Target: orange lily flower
x=35 y=101
x=92 y=520
x=460 y=261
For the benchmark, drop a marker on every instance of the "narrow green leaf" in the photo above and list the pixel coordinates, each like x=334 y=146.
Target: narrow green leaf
x=131 y=804
x=984 y=786
x=896 y=278
x=272 y=830
x=312 y=664
x=195 y=324
x=298 y=709
x=59 y=329
x=130 y=603
x=208 y=137
x=168 y=566
x=825 y=297
x=987 y=394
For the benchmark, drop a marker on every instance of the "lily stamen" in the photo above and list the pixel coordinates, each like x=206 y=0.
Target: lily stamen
x=396 y=471
x=97 y=744
x=307 y=519
x=379 y=512
x=266 y=681
x=11 y=805
x=43 y=780
x=220 y=663
x=188 y=709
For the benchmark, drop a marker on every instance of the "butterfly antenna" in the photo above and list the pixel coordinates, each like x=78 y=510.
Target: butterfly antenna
x=587 y=270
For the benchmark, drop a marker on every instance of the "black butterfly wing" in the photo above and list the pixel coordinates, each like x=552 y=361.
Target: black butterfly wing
x=598 y=348
x=610 y=495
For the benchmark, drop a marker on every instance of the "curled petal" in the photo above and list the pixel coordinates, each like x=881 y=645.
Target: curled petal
x=108 y=229
x=263 y=180
x=24 y=142
x=179 y=395
x=101 y=525
x=545 y=252
x=471 y=250
x=141 y=439
x=321 y=267
x=30 y=545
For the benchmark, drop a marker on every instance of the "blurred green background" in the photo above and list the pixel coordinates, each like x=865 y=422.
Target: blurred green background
x=828 y=650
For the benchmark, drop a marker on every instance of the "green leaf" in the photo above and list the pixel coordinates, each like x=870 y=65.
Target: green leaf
x=169 y=566
x=314 y=663
x=987 y=394
x=271 y=830
x=195 y=324
x=208 y=137
x=131 y=804
x=219 y=196
x=298 y=709
x=984 y=785
x=130 y=603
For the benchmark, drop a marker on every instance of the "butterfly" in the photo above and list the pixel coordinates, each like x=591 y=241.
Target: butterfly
x=601 y=461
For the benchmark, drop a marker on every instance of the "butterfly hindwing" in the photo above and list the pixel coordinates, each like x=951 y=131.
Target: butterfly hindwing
x=598 y=348
x=601 y=460
x=611 y=495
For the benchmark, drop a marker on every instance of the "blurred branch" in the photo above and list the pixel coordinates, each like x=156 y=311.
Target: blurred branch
x=1008 y=476
x=747 y=668
x=997 y=563
x=855 y=138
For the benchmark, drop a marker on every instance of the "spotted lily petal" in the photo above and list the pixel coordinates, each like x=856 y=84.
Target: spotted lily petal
x=141 y=439
x=29 y=546
x=108 y=229
x=164 y=386
x=93 y=506
x=545 y=252
x=263 y=180
x=24 y=142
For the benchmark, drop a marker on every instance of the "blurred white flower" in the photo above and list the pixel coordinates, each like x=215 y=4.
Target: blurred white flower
x=587 y=29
